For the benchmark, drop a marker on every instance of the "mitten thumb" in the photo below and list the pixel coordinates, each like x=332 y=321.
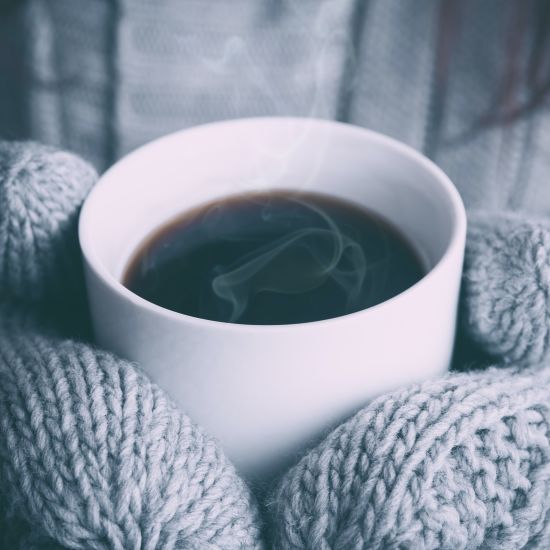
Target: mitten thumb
x=41 y=190
x=93 y=455
x=506 y=287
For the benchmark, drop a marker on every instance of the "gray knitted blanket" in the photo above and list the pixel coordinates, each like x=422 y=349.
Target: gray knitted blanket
x=93 y=455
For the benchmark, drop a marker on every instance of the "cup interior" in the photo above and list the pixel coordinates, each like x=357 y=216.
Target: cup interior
x=166 y=177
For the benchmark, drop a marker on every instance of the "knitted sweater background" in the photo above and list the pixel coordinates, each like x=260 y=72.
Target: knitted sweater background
x=102 y=77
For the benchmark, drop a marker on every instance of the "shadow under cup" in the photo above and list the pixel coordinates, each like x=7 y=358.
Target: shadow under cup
x=270 y=391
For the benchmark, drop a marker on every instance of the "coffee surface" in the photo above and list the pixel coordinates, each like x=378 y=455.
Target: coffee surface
x=277 y=257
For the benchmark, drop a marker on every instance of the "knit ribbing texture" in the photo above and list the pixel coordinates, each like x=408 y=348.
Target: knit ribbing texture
x=461 y=462
x=41 y=190
x=92 y=455
x=507 y=286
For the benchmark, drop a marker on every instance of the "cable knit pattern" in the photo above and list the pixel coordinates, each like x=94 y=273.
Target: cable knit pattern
x=462 y=462
x=41 y=190
x=92 y=455
x=507 y=286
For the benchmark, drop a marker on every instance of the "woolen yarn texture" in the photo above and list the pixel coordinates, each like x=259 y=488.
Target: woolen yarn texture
x=462 y=462
x=457 y=463
x=41 y=191
x=507 y=286
x=93 y=455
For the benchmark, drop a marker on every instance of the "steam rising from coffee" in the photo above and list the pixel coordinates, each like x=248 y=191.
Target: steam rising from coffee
x=274 y=257
x=300 y=261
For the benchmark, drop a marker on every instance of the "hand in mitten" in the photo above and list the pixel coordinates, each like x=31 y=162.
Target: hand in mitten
x=507 y=287
x=92 y=454
x=460 y=462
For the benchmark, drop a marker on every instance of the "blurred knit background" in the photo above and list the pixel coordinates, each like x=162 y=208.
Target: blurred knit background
x=101 y=77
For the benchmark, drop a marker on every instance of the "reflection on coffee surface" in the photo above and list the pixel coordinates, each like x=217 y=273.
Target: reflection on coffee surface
x=277 y=257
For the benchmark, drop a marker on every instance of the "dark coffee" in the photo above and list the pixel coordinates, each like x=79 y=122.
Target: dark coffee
x=273 y=258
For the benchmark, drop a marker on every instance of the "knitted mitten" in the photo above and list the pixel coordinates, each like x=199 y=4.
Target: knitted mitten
x=507 y=286
x=92 y=454
x=95 y=456
x=41 y=190
x=460 y=462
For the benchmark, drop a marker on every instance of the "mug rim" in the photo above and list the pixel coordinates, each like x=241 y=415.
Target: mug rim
x=94 y=262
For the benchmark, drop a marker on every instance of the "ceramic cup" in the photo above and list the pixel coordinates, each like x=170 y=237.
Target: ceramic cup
x=269 y=392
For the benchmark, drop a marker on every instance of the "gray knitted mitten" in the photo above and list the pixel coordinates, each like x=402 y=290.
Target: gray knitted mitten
x=41 y=190
x=92 y=454
x=507 y=285
x=461 y=462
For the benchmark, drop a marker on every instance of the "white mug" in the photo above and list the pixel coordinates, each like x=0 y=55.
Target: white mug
x=270 y=391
